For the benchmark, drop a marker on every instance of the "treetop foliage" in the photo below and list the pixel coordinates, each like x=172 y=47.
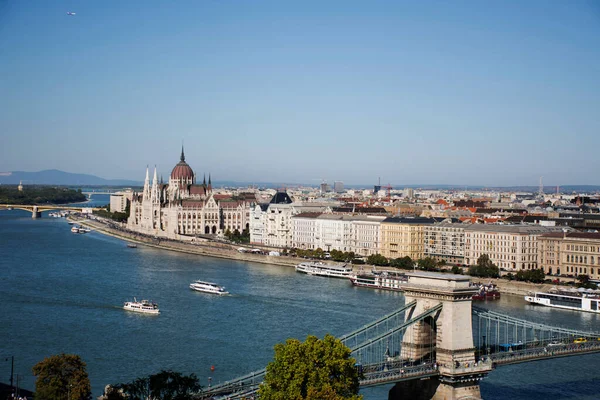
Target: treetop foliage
x=484 y=268
x=311 y=370
x=165 y=385
x=60 y=376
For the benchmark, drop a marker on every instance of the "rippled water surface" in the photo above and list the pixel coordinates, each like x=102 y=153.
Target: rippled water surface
x=62 y=292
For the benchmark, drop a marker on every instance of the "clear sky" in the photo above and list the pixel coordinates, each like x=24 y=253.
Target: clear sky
x=491 y=93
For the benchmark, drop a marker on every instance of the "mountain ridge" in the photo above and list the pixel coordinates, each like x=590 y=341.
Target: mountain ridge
x=58 y=177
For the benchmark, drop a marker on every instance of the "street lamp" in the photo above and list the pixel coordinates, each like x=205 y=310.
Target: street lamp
x=12 y=368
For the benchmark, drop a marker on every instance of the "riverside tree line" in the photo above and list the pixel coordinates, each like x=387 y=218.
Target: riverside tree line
x=316 y=369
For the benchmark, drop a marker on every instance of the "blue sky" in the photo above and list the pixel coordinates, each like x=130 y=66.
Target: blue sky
x=472 y=93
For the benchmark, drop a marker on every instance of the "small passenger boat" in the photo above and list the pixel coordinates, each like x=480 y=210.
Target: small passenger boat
x=132 y=245
x=144 y=306
x=208 y=287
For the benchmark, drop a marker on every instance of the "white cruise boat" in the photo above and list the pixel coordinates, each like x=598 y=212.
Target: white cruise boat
x=208 y=287
x=75 y=229
x=586 y=300
x=322 y=269
x=386 y=279
x=144 y=306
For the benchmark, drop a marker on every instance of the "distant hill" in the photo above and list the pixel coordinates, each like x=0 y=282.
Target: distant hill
x=56 y=177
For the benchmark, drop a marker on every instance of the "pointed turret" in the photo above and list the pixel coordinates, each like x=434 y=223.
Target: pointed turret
x=154 y=194
x=209 y=184
x=182 y=158
x=147 y=185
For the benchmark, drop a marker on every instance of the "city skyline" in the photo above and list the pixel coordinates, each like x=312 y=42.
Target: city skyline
x=494 y=94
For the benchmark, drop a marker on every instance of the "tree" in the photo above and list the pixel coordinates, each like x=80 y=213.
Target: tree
x=532 y=275
x=165 y=385
x=60 y=376
x=456 y=270
x=428 y=264
x=314 y=369
x=485 y=268
x=404 y=263
x=377 y=259
x=584 y=282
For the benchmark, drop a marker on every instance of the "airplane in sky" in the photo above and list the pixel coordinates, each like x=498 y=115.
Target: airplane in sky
x=70 y=13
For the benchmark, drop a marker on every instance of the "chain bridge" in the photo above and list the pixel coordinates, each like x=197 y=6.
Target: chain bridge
x=438 y=334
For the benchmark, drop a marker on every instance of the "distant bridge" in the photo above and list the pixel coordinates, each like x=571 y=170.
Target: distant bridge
x=36 y=210
x=437 y=334
x=89 y=193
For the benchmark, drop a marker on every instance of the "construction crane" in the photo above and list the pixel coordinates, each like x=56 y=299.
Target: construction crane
x=388 y=190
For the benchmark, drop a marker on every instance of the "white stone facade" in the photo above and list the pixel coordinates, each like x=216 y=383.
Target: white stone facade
x=510 y=247
x=365 y=235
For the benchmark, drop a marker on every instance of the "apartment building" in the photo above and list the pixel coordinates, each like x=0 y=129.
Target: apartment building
x=445 y=241
x=365 y=235
x=570 y=253
x=402 y=237
x=349 y=233
x=510 y=247
x=271 y=224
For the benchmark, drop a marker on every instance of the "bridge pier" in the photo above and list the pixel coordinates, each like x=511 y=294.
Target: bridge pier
x=35 y=214
x=448 y=335
x=434 y=389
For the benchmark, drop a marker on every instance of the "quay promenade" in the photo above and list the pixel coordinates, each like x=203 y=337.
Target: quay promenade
x=229 y=251
x=202 y=247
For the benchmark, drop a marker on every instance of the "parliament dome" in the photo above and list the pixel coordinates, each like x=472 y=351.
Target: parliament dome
x=182 y=170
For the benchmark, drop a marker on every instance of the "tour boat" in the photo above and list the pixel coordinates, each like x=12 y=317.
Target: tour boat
x=579 y=300
x=386 y=279
x=132 y=245
x=208 y=287
x=84 y=230
x=321 y=269
x=144 y=306
x=487 y=292
x=75 y=229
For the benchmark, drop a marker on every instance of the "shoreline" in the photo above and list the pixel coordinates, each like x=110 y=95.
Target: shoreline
x=229 y=251
x=204 y=248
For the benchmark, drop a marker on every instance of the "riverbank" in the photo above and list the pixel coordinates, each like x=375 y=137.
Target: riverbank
x=203 y=248
x=229 y=251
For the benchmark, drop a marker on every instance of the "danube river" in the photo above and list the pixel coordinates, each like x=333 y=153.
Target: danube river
x=63 y=292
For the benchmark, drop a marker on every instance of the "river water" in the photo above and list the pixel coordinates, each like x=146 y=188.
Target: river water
x=62 y=292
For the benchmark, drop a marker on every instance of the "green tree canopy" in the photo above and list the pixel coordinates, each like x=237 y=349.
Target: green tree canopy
x=531 y=275
x=165 y=385
x=428 y=264
x=60 y=376
x=404 y=263
x=311 y=370
x=377 y=259
x=485 y=268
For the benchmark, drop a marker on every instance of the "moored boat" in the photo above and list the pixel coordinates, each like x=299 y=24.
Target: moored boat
x=322 y=269
x=132 y=245
x=386 y=279
x=208 y=287
x=144 y=306
x=487 y=292
x=577 y=299
x=75 y=229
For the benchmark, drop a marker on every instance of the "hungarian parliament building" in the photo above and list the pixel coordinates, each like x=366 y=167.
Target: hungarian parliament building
x=185 y=208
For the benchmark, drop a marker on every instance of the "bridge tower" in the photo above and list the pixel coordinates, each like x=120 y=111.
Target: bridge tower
x=448 y=334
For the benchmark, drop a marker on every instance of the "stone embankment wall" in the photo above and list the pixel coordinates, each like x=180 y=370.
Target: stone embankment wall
x=204 y=248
